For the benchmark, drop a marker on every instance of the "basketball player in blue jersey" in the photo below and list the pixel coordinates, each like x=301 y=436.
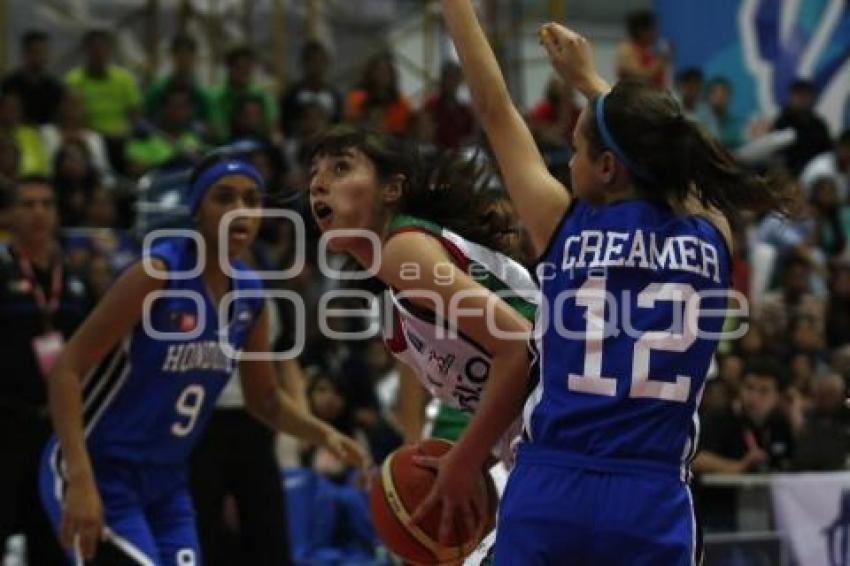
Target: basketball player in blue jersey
x=423 y=228
x=634 y=271
x=138 y=381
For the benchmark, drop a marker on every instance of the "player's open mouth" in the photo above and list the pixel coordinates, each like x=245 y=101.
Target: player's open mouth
x=322 y=212
x=239 y=232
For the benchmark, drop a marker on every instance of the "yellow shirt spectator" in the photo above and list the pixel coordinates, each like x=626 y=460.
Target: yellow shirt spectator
x=107 y=100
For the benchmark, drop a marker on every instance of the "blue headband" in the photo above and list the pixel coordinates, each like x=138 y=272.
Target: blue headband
x=216 y=172
x=609 y=143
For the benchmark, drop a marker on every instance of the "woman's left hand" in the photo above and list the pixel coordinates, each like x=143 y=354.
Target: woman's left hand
x=346 y=449
x=455 y=489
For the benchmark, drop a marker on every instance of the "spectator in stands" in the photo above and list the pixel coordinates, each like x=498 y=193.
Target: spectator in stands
x=812 y=133
x=793 y=300
x=314 y=118
x=184 y=58
x=75 y=179
x=240 y=82
x=553 y=119
x=824 y=442
x=831 y=218
x=689 y=83
x=642 y=56
x=38 y=90
x=363 y=374
x=378 y=101
x=33 y=159
x=42 y=301
x=833 y=164
x=173 y=139
x=793 y=237
x=312 y=90
x=70 y=127
x=249 y=120
x=100 y=251
x=109 y=93
x=838 y=306
x=452 y=119
x=717 y=115
x=758 y=436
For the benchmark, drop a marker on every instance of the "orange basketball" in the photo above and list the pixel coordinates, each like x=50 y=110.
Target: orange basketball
x=397 y=491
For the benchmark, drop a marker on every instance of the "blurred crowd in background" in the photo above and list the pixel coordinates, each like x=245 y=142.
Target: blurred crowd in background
x=776 y=397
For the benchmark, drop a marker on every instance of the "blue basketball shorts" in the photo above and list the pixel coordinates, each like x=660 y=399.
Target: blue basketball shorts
x=148 y=512
x=575 y=515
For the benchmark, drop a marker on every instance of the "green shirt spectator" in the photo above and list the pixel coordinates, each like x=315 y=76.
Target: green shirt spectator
x=200 y=98
x=173 y=138
x=159 y=148
x=239 y=83
x=184 y=52
x=108 y=99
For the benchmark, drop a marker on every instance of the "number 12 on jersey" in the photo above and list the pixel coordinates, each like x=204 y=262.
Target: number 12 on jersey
x=592 y=295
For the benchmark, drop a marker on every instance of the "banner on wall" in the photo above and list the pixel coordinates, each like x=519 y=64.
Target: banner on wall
x=761 y=46
x=813 y=510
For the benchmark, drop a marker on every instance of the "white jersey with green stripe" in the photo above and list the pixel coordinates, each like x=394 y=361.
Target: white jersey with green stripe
x=450 y=365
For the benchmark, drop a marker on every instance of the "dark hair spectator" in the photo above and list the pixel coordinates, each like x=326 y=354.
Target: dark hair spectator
x=241 y=62
x=75 y=179
x=38 y=90
x=641 y=56
x=834 y=164
x=184 y=55
x=799 y=114
x=452 y=119
x=689 y=88
x=312 y=88
x=378 y=101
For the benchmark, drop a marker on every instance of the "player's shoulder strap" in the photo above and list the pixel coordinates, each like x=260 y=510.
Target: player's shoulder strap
x=493 y=270
x=408 y=223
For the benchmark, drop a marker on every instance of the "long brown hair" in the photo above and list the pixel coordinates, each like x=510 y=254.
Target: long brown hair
x=674 y=157
x=445 y=189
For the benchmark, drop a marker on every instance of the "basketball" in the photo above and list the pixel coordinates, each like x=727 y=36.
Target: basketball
x=397 y=491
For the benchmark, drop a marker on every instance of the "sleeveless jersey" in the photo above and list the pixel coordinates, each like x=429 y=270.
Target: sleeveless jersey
x=150 y=398
x=633 y=300
x=453 y=367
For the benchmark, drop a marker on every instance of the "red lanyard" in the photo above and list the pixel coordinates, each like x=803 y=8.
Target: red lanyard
x=48 y=308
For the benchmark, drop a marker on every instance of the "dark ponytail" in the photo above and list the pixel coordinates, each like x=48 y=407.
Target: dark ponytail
x=446 y=188
x=675 y=158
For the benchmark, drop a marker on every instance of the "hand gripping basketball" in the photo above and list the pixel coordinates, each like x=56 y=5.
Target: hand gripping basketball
x=423 y=523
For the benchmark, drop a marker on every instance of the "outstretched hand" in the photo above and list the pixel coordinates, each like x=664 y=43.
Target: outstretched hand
x=455 y=489
x=346 y=449
x=571 y=57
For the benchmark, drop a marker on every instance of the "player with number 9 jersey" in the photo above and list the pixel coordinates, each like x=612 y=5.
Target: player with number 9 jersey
x=135 y=386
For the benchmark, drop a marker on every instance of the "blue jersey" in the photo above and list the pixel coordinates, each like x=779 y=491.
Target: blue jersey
x=150 y=398
x=633 y=302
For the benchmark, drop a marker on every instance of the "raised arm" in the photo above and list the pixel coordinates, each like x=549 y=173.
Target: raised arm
x=541 y=201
